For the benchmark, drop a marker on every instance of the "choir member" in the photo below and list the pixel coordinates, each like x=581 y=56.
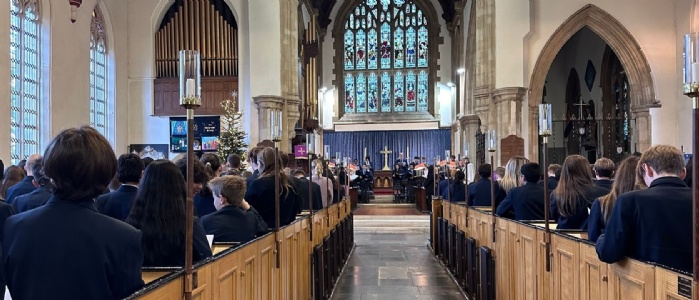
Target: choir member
x=525 y=202
x=654 y=224
x=469 y=171
x=625 y=181
x=402 y=162
x=574 y=194
x=458 y=189
x=25 y=186
x=365 y=179
x=159 y=212
x=397 y=175
x=82 y=254
x=604 y=170
x=367 y=161
x=234 y=220
x=117 y=204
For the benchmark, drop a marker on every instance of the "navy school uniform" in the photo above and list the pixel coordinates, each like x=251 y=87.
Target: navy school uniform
x=595 y=222
x=203 y=204
x=317 y=198
x=260 y=195
x=578 y=221
x=458 y=192
x=117 y=204
x=252 y=178
x=25 y=186
x=479 y=193
x=175 y=257
x=526 y=202
x=653 y=225
x=444 y=187
x=68 y=250
x=6 y=211
x=604 y=183
x=30 y=201
x=552 y=183
x=233 y=224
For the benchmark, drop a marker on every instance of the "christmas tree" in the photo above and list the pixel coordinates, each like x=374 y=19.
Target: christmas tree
x=232 y=136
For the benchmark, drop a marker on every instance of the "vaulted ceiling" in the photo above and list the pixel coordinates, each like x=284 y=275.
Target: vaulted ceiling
x=325 y=7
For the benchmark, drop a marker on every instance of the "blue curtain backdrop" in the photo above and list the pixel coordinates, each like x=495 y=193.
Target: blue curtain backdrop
x=427 y=143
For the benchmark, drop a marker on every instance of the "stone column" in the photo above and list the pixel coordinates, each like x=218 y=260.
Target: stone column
x=469 y=128
x=265 y=105
x=643 y=128
x=274 y=64
x=507 y=115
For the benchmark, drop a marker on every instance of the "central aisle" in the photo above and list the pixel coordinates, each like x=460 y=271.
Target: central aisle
x=387 y=265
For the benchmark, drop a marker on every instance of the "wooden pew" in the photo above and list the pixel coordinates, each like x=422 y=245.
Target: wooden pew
x=219 y=247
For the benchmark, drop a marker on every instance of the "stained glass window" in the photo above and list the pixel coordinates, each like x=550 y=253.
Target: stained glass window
x=386 y=58
x=99 y=105
x=25 y=103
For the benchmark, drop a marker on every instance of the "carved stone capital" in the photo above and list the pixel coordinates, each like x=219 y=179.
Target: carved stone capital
x=268 y=102
x=509 y=94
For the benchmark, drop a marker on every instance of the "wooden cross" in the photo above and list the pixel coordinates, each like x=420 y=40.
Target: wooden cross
x=385 y=153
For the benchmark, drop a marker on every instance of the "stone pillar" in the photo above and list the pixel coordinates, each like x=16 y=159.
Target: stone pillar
x=274 y=64
x=643 y=129
x=265 y=105
x=469 y=128
x=507 y=115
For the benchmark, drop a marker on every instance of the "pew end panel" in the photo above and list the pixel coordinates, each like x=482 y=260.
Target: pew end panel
x=673 y=285
x=565 y=267
x=632 y=279
x=594 y=277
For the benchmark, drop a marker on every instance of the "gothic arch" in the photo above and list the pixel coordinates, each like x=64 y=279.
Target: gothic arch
x=629 y=53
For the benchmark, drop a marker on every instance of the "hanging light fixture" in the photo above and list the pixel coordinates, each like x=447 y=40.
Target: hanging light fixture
x=74 y=5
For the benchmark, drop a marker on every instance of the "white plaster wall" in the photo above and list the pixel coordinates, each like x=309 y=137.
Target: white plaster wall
x=511 y=26
x=657 y=26
x=444 y=68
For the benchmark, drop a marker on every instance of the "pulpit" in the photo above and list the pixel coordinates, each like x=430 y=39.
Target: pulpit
x=354 y=197
x=421 y=199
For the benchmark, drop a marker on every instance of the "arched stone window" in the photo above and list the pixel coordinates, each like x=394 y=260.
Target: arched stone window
x=25 y=90
x=385 y=58
x=99 y=96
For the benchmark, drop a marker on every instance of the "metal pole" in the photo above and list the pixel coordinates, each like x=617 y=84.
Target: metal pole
x=695 y=189
x=492 y=190
x=547 y=205
x=277 y=160
x=189 y=213
x=310 y=195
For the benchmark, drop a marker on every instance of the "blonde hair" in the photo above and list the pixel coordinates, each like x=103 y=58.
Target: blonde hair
x=267 y=160
x=512 y=172
x=229 y=186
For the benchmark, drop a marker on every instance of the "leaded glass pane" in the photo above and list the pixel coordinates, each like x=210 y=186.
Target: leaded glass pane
x=410 y=91
x=385 y=92
x=390 y=35
x=373 y=93
x=422 y=91
x=25 y=104
x=349 y=93
x=361 y=92
x=398 y=92
x=99 y=107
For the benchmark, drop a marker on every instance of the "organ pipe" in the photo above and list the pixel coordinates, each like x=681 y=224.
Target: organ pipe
x=198 y=25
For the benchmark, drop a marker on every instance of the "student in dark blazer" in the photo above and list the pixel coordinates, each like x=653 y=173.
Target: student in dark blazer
x=458 y=190
x=554 y=174
x=117 y=204
x=479 y=192
x=655 y=224
x=260 y=194
x=444 y=188
x=303 y=186
x=159 y=212
x=39 y=196
x=25 y=186
x=601 y=209
x=525 y=202
x=95 y=256
x=204 y=199
x=252 y=159
x=604 y=170
x=6 y=211
x=235 y=220
x=574 y=194
x=366 y=178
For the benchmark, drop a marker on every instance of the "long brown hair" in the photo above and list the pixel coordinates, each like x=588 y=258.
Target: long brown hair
x=576 y=178
x=267 y=160
x=12 y=176
x=624 y=181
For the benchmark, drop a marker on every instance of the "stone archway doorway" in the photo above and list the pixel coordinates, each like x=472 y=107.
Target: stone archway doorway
x=628 y=51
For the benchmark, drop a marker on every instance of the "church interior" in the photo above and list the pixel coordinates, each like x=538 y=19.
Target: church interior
x=460 y=149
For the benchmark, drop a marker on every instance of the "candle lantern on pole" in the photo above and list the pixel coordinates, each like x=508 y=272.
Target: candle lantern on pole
x=545 y=132
x=491 y=137
x=691 y=90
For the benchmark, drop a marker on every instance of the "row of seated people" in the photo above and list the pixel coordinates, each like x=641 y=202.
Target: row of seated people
x=99 y=242
x=644 y=213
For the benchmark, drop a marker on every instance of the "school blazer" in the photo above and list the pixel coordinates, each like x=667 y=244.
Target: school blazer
x=68 y=250
x=32 y=200
x=6 y=211
x=175 y=257
x=653 y=225
x=232 y=224
x=260 y=195
x=317 y=197
x=526 y=202
x=117 y=204
x=479 y=193
x=25 y=186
